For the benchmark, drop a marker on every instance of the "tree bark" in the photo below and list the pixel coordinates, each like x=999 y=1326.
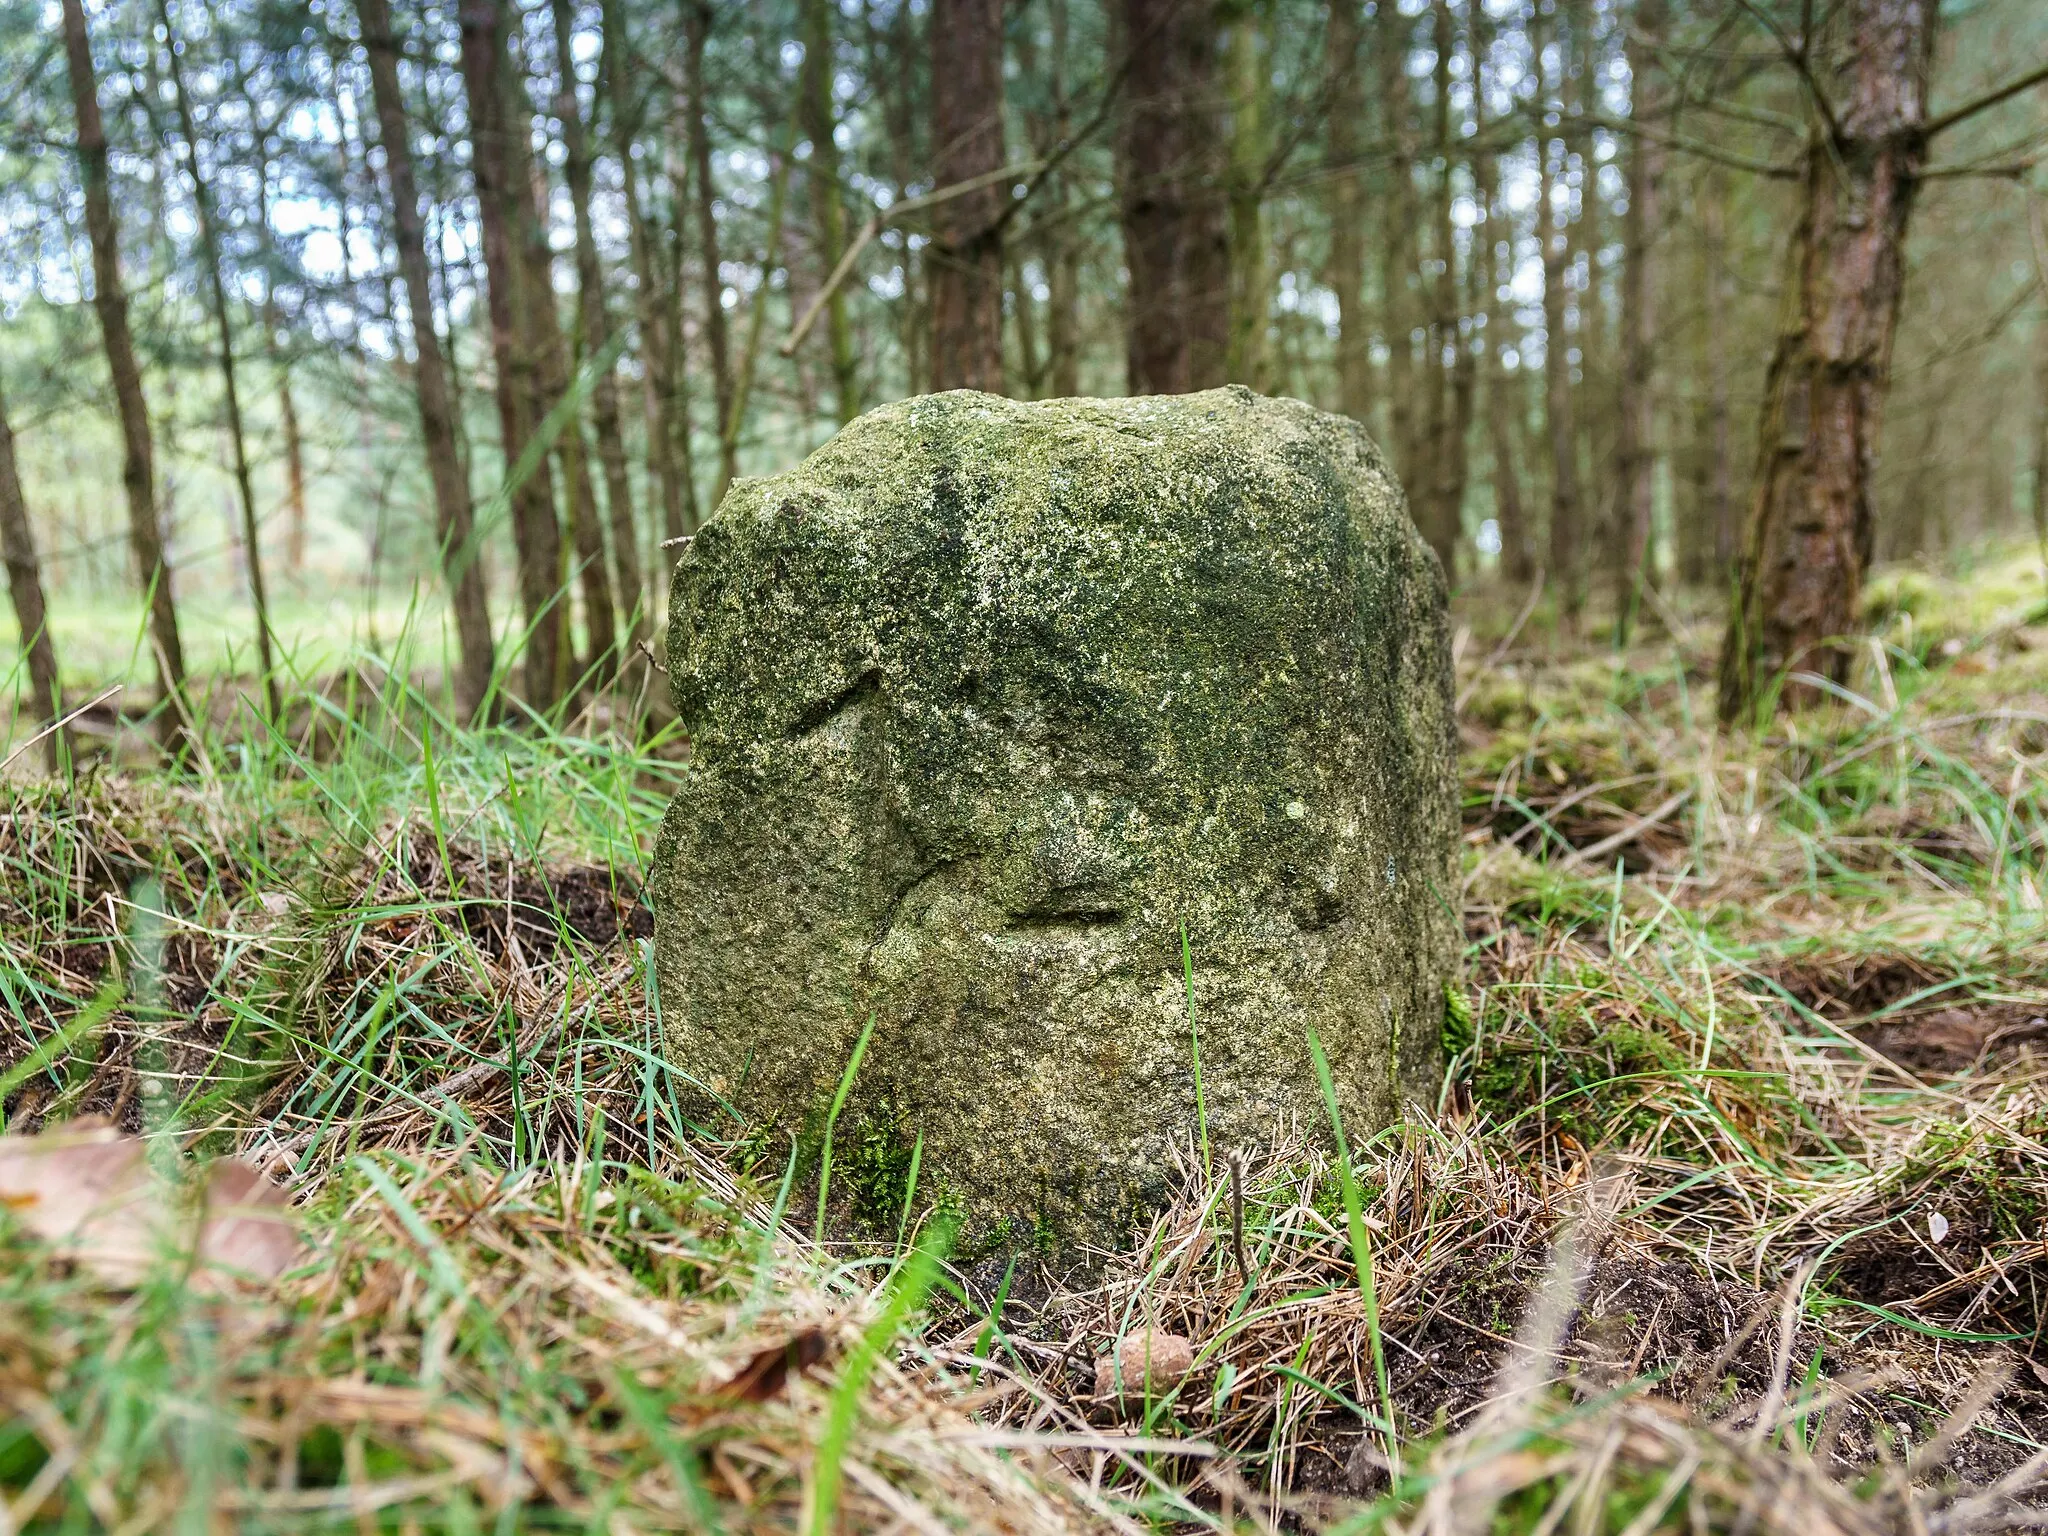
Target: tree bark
x=454 y=521
x=1169 y=173
x=828 y=212
x=965 y=259
x=1635 y=447
x=110 y=303
x=1504 y=406
x=25 y=587
x=1250 y=276
x=696 y=109
x=216 y=287
x=1810 y=520
x=504 y=203
x=1057 y=373
x=1392 y=36
x=1557 y=371
x=655 y=306
x=596 y=321
x=1347 y=213
x=1439 y=495
x=287 y=407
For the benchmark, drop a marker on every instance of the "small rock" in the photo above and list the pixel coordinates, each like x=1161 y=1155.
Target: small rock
x=1152 y=1364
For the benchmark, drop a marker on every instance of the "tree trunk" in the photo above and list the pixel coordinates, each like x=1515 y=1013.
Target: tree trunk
x=1347 y=213
x=294 y=472
x=504 y=203
x=1250 y=286
x=216 y=288
x=1169 y=171
x=1392 y=36
x=1439 y=496
x=1809 y=534
x=287 y=408
x=828 y=212
x=660 y=342
x=454 y=523
x=1635 y=453
x=965 y=258
x=110 y=302
x=697 y=109
x=1504 y=407
x=596 y=322
x=1557 y=374
x=25 y=587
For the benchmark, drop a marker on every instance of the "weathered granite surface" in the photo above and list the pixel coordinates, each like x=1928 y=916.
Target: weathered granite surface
x=988 y=698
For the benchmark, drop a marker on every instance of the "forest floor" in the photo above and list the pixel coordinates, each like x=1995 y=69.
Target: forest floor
x=1733 y=1214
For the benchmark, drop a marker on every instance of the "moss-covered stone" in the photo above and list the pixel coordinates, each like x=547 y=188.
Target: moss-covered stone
x=988 y=699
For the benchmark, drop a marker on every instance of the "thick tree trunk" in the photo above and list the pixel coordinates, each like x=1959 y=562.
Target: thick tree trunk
x=504 y=203
x=1635 y=452
x=1250 y=271
x=820 y=118
x=1347 y=212
x=965 y=258
x=110 y=302
x=1809 y=535
x=596 y=321
x=454 y=523
x=216 y=287
x=25 y=587
x=1170 y=170
x=696 y=109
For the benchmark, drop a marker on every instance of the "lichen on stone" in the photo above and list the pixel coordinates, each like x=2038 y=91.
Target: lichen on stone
x=987 y=700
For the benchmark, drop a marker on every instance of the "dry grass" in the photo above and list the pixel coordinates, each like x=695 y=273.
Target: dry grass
x=1755 y=1022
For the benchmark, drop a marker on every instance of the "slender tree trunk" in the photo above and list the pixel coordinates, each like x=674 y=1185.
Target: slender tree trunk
x=504 y=203
x=1392 y=36
x=1169 y=170
x=697 y=15
x=287 y=407
x=1557 y=372
x=1250 y=286
x=216 y=287
x=1809 y=535
x=110 y=302
x=454 y=522
x=1504 y=405
x=1439 y=518
x=583 y=550
x=2038 y=501
x=757 y=306
x=660 y=341
x=596 y=321
x=894 y=60
x=1058 y=251
x=966 y=254
x=25 y=587
x=820 y=119
x=1635 y=448
x=1347 y=212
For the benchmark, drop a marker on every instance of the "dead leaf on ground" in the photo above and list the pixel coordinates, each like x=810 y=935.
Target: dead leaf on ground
x=88 y=1190
x=770 y=1369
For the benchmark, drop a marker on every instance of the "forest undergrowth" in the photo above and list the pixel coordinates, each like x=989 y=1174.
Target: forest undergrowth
x=1730 y=1215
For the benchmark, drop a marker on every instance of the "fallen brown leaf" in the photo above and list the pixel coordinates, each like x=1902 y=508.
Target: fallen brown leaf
x=770 y=1369
x=88 y=1190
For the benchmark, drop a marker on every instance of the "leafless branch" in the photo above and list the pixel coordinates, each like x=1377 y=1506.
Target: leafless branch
x=1990 y=98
